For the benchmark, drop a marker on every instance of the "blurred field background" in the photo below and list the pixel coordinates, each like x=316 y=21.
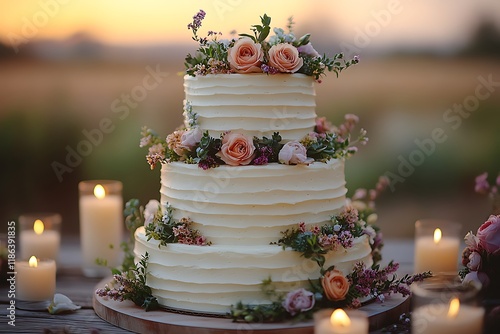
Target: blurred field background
x=418 y=61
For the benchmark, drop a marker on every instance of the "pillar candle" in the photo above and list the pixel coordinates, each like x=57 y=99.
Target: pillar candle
x=101 y=229
x=35 y=279
x=443 y=319
x=438 y=253
x=38 y=241
x=339 y=322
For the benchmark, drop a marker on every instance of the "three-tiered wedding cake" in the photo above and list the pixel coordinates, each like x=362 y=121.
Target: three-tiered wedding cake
x=252 y=161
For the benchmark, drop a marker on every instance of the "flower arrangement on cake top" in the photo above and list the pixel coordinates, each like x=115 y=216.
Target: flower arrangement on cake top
x=281 y=53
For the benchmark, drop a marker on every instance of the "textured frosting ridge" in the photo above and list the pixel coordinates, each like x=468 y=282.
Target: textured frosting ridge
x=212 y=278
x=254 y=104
x=251 y=205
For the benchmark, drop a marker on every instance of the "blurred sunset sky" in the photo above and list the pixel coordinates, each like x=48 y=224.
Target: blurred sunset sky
x=438 y=24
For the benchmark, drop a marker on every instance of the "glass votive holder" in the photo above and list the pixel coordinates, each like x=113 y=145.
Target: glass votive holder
x=40 y=235
x=339 y=321
x=101 y=225
x=437 y=244
x=442 y=304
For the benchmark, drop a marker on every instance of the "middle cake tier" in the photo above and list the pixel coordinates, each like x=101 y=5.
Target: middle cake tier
x=252 y=205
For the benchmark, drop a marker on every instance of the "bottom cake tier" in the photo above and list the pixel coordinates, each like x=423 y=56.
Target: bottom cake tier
x=209 y=279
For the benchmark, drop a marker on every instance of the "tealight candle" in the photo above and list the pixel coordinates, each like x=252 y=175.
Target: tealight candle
x=40 y=235
x=101 y=225
x=340 y=322
x=451 y=318
x=35 y=279
x=436 y=246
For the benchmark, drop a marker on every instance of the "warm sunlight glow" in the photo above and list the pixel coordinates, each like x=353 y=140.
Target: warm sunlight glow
x=38 y=227
x=437 y=236
x=454 y=307
x=99 y=191
x=33 y=262
x=340 y=318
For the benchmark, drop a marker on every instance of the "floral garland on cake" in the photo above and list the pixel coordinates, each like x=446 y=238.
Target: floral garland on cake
x=232 y=148
x=333 y=289
x=252 y=53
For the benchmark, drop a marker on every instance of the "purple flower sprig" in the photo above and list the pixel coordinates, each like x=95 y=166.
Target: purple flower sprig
x=131 y=285
x=196 y=25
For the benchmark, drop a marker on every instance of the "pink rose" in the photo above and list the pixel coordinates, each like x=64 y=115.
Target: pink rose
x=308 y=50
x=190 y=138
x=299 y=300
x=293 y=153
x=237 y=149
x=245 y=56
x=489 y=235
x=285 y=58
x=474 y=261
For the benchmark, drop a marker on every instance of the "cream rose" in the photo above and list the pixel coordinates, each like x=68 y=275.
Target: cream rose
x=245 y=56
x=285 y=58
x=335 y=285
x=190 y=138
x=293 y=153
x=237 y=149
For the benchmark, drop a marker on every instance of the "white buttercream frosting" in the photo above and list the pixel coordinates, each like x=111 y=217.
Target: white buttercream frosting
x=253 y=104
x=212 y=278
x=251 y=205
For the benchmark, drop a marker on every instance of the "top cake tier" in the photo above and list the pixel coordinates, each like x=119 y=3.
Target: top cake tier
x=253 y=104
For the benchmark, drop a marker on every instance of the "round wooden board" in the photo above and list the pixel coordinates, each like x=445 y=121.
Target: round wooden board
x=128 y=316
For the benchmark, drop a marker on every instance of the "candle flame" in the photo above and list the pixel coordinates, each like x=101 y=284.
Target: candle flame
x=99 y=191
x=340 y=318
x=437 y=235
x=33 y=262
x=454 y=307
x=38 y=227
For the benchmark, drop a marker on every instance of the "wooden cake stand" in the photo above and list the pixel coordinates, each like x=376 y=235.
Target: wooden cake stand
x=128 y=316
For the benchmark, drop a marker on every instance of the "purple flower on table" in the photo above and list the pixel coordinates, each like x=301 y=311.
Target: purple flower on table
x=298 y=301
x=471 y=241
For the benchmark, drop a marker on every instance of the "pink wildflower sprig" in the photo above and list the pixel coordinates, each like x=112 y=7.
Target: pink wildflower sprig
x=483 y=187
x=131 y=285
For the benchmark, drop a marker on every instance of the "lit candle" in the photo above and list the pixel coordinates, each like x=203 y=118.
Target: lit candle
x=35 y=279
x=436 y=253
x=451 y=318
x=340 y=323
x=38 y=240
x=101 y=229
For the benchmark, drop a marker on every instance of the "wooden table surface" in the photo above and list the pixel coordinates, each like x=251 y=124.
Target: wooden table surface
x=72 y=283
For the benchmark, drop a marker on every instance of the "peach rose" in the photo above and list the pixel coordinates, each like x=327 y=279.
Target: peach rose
x=335 y=285
x=245 y=56
x=285 y=57
x=174 y=142
x=237 y=149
